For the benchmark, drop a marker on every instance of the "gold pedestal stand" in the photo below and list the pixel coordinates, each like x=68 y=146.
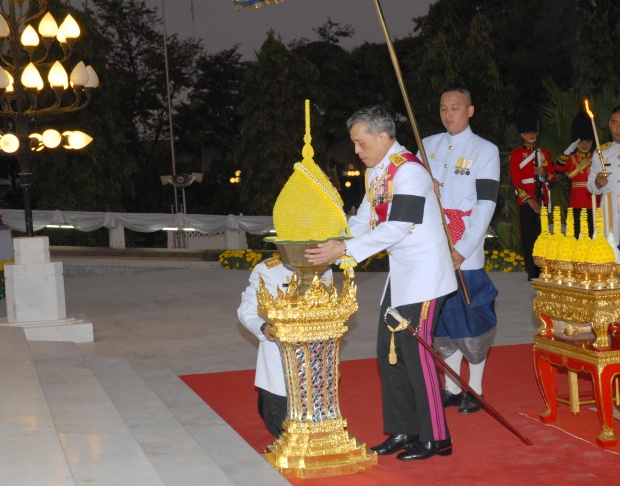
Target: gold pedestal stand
x=308 y=323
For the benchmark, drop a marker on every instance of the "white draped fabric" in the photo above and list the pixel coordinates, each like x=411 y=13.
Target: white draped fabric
x=140 y=222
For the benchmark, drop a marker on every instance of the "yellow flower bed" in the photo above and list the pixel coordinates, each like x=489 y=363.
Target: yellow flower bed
x=503 y=261
x=240 y=259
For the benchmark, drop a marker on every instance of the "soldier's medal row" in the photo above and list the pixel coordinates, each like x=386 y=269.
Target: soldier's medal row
x=463 y=166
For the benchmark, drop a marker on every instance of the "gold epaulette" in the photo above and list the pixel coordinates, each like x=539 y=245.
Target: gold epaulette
x=273 y=262
x=562 y=159
x=606 y=145
x=397 y=159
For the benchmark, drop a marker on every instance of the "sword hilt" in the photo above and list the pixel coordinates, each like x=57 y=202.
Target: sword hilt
x=396 y=315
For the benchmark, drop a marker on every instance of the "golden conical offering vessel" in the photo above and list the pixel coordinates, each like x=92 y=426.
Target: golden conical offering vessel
x=581 y=252
x=564 y=263
x=308 y=210
x=541 y=244
x=555 y=243
x=600 y=258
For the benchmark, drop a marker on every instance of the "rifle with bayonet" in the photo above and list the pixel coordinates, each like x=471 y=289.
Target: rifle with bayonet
x=539 y=180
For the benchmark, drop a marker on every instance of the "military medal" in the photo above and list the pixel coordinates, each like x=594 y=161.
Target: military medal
x=468 y=166
x=458 y=166
x=379 y=193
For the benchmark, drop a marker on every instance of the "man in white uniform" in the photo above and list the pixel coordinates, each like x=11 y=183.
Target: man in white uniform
x=269 y=379
x=400 y=214
x=466 y=170
x=599 y=183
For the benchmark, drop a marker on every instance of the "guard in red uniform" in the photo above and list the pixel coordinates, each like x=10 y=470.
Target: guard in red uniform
x=575 y=162
x=532 y=174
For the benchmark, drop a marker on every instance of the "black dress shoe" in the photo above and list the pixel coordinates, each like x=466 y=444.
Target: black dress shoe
x=394 y=443
x=449 y=399
x=469 y=404
x=424 y=450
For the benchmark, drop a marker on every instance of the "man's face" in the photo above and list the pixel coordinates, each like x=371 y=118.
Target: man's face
x=529 y=138
x=614 y=127
x=584 y=145
x=370 y=147
x=455 y=110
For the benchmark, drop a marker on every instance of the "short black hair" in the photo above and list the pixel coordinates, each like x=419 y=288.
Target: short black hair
x=460 y=88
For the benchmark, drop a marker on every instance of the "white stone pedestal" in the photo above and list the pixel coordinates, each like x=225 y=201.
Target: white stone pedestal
x=35 y=295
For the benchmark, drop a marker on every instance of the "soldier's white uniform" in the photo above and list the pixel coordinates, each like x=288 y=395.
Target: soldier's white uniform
x=467 y=169
x=469 y=166
x=611 y=156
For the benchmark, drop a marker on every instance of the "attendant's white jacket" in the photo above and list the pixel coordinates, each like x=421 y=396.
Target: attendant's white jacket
x=269 y=370
x=466 y=166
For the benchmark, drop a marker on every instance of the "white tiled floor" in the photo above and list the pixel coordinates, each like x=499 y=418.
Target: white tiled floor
x=117 y=406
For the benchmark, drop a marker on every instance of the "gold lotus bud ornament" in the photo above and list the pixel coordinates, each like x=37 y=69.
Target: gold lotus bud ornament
x=565 y=252
x=557 y=238
x=309 y=209
x=583 y=243
x=600 y=250
x=542 y=242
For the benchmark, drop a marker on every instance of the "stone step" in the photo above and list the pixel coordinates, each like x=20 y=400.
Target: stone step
x=242 y=465
x=57 y=252
x=79 y=420
x=95 y=266
x=171 y=449
x=98 y=445
x=31 y=447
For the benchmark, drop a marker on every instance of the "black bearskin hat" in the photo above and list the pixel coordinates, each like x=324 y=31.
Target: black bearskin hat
x=582 y=127
x=527 y=119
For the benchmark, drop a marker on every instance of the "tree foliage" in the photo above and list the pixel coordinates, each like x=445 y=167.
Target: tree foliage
x=273 y=126
x=231 y=115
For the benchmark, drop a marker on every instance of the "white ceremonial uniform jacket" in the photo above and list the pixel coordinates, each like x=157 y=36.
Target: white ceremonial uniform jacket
x=269 y=370
x=420 y=262
x=468 y=169
x=611 y=156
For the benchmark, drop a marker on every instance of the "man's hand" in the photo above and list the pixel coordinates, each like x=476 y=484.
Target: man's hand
x=267 y=333
x=539 y=171
x=437 y=191
x=457 y=259
x=534 y=205
x=326 y=252
x=601 y=180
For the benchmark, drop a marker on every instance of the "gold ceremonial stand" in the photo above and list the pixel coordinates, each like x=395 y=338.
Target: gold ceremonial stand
x=578 y=309
x=308 y=322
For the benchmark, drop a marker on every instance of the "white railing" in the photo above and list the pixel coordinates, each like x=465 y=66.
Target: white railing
x=232 y=227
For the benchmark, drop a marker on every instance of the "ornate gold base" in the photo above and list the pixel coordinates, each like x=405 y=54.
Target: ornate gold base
x=308 y=328
x=318 y=450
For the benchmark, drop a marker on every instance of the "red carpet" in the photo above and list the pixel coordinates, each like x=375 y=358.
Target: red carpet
x=484 y=451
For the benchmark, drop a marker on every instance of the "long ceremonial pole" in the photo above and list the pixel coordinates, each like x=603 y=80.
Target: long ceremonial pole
x=416 y=133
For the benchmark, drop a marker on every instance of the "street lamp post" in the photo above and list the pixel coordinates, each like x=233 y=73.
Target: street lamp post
x=22 y=56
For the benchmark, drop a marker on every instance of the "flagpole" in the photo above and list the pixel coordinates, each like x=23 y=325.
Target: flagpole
x=169 y=100
x=416 y=133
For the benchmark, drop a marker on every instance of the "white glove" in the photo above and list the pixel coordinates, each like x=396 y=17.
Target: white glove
x=571 y=148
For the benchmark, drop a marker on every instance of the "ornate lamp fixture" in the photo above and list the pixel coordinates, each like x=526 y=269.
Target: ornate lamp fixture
x=25 y=53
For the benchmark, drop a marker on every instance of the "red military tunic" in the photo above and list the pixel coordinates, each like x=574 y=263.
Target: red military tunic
x=577 y=168
x=522 y=165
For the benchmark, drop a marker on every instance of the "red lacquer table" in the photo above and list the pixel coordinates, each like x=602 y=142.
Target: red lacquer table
x=561 y=310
